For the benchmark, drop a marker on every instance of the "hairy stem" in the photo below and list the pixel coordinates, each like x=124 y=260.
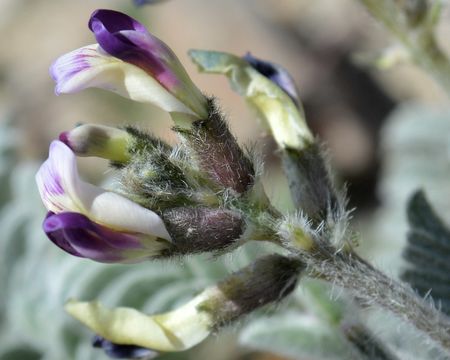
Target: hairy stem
x=372 y=287
x=415 y=31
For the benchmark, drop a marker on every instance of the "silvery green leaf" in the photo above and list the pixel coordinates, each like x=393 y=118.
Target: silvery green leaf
x=428 y=252
x=296 y=335
x=309 y=329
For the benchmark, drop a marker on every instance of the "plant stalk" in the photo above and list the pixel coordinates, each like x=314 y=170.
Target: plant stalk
x=371 y=287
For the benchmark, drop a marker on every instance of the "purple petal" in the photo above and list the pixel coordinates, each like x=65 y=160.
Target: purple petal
x=276 y=73
x=57 y=237
x=125 y=38
x=79 y=236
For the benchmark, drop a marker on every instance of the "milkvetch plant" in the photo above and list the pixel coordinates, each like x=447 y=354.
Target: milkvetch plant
x=202 y=196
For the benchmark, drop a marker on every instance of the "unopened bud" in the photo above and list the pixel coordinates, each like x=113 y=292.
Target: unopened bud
x=98 y=140
x=151 y=178
x=200 y=229
x=218 y=153
x=310 y=182
x=267 y=280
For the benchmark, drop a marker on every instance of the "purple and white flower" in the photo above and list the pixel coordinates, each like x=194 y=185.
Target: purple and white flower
x=79 y=236
x=88 y=221
x=276 y=73
x=130 y=61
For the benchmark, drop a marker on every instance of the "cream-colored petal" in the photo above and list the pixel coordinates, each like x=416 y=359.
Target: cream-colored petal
x=172 y=331
x=98 y=140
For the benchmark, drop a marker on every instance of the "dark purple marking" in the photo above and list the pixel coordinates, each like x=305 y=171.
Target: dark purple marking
x=125 y=38
x=276 y=73
x=79 y=236
x=119 y=351
x=57 y=237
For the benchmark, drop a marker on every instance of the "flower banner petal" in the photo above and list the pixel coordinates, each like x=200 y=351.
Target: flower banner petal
x=90 y=66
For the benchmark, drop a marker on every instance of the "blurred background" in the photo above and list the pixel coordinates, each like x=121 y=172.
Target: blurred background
x=388 y=133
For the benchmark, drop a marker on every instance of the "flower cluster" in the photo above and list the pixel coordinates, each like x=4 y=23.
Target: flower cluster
x=204 y=195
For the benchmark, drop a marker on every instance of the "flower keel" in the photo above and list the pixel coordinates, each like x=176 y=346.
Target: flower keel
x=79 y=236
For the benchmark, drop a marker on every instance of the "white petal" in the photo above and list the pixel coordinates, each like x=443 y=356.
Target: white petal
x=61 y=189
x=90 y=66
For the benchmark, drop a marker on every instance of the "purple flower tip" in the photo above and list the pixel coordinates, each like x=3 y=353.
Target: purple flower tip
x=276 y=73
x=79 y=236
x=64 y=137
x=127 y=39
x=107 y=26
x=53 y=225
x=118 y=351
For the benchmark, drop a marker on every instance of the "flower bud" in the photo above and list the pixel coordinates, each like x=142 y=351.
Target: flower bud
x=267 y=280
x=311 y=184
x=200 y=229
x=155 y=182
x=98 y=140
x=217 y=152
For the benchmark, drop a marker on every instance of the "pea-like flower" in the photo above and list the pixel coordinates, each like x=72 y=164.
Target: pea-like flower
x=88 y=221
x=131 y=62
x=268 y=280
x=268 y=88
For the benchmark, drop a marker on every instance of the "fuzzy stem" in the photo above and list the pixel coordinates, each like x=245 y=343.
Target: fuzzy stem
x=370 y=286
x=417 y=38
x=310 y=182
